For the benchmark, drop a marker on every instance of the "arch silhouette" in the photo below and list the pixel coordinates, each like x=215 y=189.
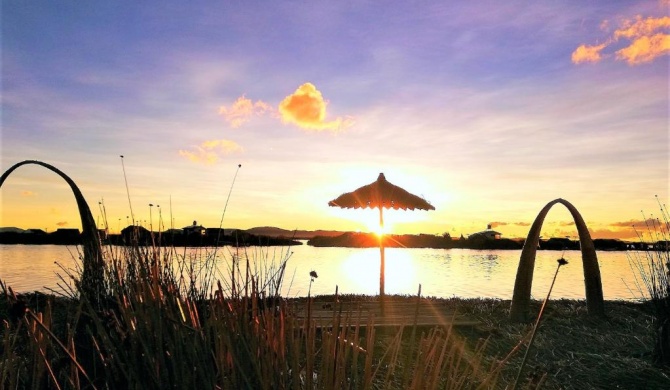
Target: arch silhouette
x=519 y=310
x=93 y=265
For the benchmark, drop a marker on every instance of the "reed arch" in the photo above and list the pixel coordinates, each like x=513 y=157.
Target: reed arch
x=93 y=265
x=519 y=311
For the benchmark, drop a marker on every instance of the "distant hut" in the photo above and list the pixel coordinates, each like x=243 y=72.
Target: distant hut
x=488 y=234
x=135 y=235
x=662 y=245
x=194 y=230
x=66 y=236
x=37 y=232
x=33 y=236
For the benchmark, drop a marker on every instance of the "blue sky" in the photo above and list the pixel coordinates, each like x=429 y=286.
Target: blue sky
x=487 y=109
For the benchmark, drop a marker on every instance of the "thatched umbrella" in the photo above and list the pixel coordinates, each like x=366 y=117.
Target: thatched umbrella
x=381 y=194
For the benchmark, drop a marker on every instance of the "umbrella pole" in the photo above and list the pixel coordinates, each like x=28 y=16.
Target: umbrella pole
x=381 y=252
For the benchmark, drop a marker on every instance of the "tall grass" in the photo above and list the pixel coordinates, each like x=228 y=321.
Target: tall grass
x=170 y=320
x=653 y=267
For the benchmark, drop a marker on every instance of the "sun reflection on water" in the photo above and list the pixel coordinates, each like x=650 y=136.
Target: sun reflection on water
x=362 y=270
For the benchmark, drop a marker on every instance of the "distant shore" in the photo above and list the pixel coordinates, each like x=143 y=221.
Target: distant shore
x=268 y=236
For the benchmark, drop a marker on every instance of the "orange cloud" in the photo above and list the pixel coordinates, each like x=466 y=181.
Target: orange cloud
x=242 y=110
x=641 y=27
x=306 y=108
x=209 y=152
x=586 y=53
x=61 y=224
x=27 y=193
x=496 y=224
x=621 y=234
x=649 y=229
x=646 y=42
x=645 y=49
x=635 y=222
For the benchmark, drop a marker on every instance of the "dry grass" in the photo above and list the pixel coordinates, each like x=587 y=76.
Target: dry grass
x=167 y=321
x=242 y=343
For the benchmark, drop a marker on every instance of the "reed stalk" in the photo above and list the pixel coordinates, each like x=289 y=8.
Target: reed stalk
x=652 y=266
x=561 y=262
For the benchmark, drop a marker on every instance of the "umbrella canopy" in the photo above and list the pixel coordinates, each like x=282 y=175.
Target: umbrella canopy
x=381 y=194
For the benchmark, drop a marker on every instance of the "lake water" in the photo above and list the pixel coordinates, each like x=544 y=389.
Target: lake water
x=442 y=273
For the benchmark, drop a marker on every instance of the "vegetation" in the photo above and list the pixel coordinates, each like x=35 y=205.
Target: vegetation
x=160 y=326
x=653 y=266
x=228 y=342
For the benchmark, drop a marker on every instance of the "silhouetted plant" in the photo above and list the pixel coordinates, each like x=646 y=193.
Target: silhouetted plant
x=561 y=262
x=653 y=267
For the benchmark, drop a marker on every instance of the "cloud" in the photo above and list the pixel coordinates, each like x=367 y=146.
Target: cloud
x=27 y=193
x=646 y=42
x=586 y=53
x=62 y=223
x=632 y=230
x=522 y=223
x=242 y=110
x=209 y=152
x=570 y=223
x=621 y=234
x=306 y=108
x=645 y=49
x=641 y=27
x=636 y=223
x=496 y=224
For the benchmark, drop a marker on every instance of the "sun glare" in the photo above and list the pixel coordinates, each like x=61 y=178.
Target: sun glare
x=362 y=270
x=378 y=230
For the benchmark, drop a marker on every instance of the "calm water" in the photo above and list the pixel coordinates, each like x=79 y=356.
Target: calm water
x=442 y=273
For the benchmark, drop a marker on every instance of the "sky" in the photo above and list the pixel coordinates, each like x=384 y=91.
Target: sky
x=487 y=109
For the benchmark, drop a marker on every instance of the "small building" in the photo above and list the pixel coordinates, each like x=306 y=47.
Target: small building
x=65 y=236
x=38 y=232
x=194 y=229
x=662 y=245
x=173 y=232
x=488 y=234
x=66 y=233
x=135 y=235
